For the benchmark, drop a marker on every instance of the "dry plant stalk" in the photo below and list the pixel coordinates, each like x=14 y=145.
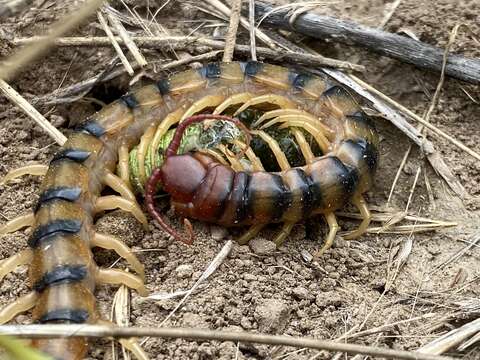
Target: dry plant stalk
x=231 y=37
x=19 y=60
x=198 y=44
x=115 y=44
x=101 y=331
x=23 y=104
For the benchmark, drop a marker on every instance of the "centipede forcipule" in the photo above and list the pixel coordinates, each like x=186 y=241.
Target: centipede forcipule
x=63 y=274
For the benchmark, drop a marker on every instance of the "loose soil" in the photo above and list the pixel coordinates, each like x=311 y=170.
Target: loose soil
x=258 y=288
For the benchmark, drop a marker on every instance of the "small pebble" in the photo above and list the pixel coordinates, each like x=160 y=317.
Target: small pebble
x=184 y=271
x=218 y=232
x=261 y=246
x=300 y=293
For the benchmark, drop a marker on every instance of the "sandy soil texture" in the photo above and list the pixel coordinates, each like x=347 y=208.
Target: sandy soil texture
x=357 y=285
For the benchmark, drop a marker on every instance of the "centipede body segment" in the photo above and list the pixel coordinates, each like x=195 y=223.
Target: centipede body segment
x=211 y=184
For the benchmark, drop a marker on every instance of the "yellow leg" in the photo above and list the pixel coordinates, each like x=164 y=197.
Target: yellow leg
x=112 y=243
x=205 y=102
x=250 y=233
x=123 y=170
x=216 y=155
x=118 y=185
x=8 y=265
x=171 y=119
x=361 y=204
x=300 y=115
x=273 y=144
x=304 y=146
x=111 y=202
x=256 y=163
x=120 y=277
x=231 y=101
x=278 y=100
x=283 y=234
x=17 y=307
x=290 y=121
x=234 y=162
x=17 y=223
x=130 y=344
x=37 y=170
x=142 y=152
x=332 y=224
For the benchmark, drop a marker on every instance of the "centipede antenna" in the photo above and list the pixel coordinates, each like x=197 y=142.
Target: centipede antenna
x=150 y=188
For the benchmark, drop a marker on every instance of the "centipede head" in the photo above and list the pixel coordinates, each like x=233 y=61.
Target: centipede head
x=180 y=175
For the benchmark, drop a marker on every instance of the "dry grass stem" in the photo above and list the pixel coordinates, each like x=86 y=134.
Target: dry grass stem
x=409 y=229
x=397 y=175
x=258 y=33
x=115 y=44
x=198 y=44
x=251 y=20
x=19 y=60
x=120 y=314
x=422 y=121
x=475 y=239
x=392 y=8
x=231 y=37
x=127 y=40
x=101 y=331
x=451 y=339
x=23 y=104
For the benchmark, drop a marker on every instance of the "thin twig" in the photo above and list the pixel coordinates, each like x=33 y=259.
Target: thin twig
x=422 y=121
x=129 y=43
x=251 y=20
x=23 y=104
x=451 y=339
x=187 y=42
x=226 y=11
x=115 y=44
x=19 y=60
x=231 y=37
x=389 y=14
x=99 y=331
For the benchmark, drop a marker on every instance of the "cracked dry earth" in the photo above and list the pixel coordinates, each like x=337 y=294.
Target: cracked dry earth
x=259 y=288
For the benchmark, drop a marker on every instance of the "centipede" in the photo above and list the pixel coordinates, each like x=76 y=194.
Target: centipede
x=141 y=144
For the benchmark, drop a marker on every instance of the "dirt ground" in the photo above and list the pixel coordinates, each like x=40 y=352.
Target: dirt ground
x=259 y=289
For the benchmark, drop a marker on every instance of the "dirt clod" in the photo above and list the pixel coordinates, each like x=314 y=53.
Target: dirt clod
x=272 y=315
x=262 y=246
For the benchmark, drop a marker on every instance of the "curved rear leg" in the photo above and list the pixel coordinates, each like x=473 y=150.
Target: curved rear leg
x=118 y=185
x=304 y=146
x=256 y=162
x=277 y=151
x=112 y=243
x=19 y=306
x=283 y=234
x=361 y=204
x=37 y=170
x=123 y=170
x=111 y=202
x=278 y=100
x=17 y=223
x=250 y=233
x=232 y=101
x=120 y=277
x=145 y=141
x=332 y=224
x=7 y=265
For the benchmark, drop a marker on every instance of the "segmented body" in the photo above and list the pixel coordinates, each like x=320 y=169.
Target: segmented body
x=62 y=272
